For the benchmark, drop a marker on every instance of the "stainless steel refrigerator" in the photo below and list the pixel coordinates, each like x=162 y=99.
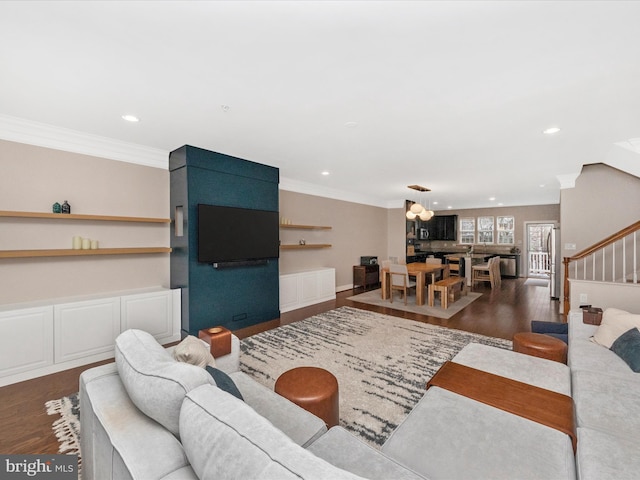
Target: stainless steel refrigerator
x=555 y=261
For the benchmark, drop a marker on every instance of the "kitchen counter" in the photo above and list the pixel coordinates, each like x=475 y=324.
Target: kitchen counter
x=509 y=262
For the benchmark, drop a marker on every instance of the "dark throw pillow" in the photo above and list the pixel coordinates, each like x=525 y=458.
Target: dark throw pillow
x=627 y=347
x=224 y=382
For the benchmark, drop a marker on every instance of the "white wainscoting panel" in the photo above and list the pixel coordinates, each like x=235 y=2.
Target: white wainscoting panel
x=25 y=339
x=308 y=287
x=85 y=328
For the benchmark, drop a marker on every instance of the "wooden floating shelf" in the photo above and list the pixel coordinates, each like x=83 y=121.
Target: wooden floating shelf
x=81 y=253
x=76 y=216
x=307 y=227
x=308 y=245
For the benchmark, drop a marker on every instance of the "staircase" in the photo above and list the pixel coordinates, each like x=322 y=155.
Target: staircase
x=609 y=266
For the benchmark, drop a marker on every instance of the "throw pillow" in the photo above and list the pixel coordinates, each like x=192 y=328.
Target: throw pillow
x=614 y=323
x=194 y=351
x=224 y=382
x=627 y=347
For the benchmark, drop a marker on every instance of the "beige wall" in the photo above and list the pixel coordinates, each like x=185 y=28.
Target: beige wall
x=357 y=230
x=604 y=201
x=523 y=215
x=33 y=178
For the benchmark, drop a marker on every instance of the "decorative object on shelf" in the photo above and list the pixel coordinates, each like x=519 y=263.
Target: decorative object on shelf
x=285 y=221
x=66 y=208
x=86 y=244
x=77 y=243
x=94 y=244
x=417 y=210
x=57 y=208
x=302 y=241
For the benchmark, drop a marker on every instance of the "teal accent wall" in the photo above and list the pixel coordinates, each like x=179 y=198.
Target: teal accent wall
x=235 y=297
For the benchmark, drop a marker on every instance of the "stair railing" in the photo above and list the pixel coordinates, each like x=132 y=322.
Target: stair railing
x=601 y=263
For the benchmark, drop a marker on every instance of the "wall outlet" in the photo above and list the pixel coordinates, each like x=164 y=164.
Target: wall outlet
x=584 y=299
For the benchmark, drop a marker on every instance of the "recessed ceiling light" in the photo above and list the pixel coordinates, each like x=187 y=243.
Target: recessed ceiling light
x=351 y=124
x=551 y=130
x=435 y=203
x=130 y=118
x=492 y=198
x=225 y=108
x=449 y=207
x=325 y=173
x=542 y=185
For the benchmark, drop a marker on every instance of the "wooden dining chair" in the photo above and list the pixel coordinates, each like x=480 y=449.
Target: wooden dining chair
x=400 y=280
x=454 y=267
x=434 y=261
x=487 y=272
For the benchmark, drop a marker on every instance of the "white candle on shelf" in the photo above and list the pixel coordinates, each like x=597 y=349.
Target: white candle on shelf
x=86 y=244
x=77 y=243
x=94 y=244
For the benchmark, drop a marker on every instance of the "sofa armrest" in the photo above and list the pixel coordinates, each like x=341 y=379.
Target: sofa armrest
x=231 y=362
x=299 y=425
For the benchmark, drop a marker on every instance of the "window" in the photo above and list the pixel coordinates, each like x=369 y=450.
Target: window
x=467 y=230
x=485 y=230
x=505 y=230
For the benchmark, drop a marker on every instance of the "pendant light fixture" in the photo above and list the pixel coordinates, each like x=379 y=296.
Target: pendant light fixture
x=417 y=210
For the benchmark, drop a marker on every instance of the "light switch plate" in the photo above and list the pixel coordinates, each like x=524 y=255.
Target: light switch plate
x=569 y=246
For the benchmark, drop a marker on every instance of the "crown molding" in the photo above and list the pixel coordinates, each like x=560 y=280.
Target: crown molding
x=568 y=180
x=43 y=135
x=291 y=185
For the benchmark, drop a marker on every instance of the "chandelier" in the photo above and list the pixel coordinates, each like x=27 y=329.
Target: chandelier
x=417 y=210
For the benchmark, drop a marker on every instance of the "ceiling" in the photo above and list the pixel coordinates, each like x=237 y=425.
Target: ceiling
x=450 y=95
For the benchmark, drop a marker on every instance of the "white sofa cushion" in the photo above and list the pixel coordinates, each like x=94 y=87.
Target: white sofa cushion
x=225 y=438
x=609 y=403
x=155 y=382
x=602 y=456
x=615 y=322
x=452 y=437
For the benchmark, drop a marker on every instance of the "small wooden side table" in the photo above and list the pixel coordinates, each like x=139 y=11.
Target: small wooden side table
x=540 y=345
x=219 y=340
x=314 y=389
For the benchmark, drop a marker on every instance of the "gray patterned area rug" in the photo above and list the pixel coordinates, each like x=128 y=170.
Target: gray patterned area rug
x=374 y=297
x=382 y=363
x=67 y=427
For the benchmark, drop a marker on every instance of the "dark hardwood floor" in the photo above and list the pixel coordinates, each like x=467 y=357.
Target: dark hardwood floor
x=26 y=428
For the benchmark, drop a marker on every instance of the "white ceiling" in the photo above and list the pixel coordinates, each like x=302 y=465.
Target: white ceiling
x=450 y=95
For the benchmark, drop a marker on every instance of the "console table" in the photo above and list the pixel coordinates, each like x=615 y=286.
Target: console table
x=366 y=276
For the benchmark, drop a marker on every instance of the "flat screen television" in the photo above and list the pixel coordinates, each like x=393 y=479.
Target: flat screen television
x=230 y=234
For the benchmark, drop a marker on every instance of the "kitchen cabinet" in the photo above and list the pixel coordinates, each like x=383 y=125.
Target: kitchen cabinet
x=440 y=227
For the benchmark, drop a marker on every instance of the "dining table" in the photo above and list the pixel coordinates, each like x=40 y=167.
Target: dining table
x=418 y=270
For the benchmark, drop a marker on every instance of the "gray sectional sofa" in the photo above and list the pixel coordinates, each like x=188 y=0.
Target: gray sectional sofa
x=606 y=394
x=147 y=417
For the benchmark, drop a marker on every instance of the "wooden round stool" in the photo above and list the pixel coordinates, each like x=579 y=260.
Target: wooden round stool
x=540 y=345
x=314 y=389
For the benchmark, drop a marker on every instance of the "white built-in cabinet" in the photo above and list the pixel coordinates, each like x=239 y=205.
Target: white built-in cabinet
x=307 y=287
x=47 y=337
x=26 y=337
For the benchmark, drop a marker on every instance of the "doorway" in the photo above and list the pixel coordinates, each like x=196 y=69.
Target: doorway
x=538 y=250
